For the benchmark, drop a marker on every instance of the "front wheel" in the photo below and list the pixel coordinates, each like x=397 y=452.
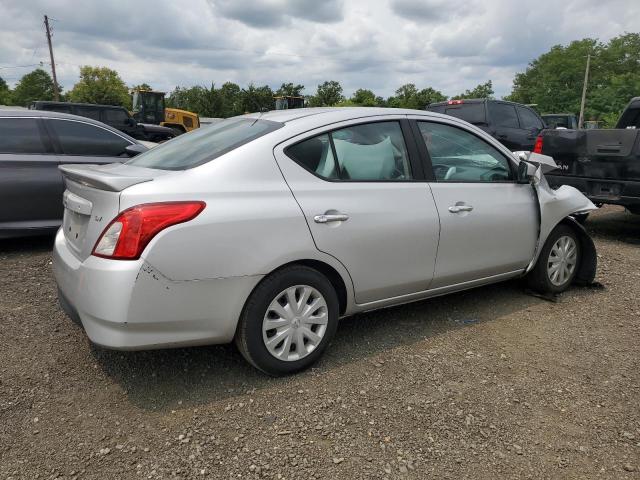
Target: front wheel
x=288 y=321
x=558 y=263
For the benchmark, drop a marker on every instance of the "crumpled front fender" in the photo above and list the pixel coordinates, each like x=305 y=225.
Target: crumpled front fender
x=557 y=206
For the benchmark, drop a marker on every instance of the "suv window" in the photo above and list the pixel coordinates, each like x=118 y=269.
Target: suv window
x=459 y=156
x=368 y=152
x=115 y=117
x=528 y=119
x=503 y=115
x=78 y=138
x=469 y=112
x=205 y=144
x=20 y=135
x=88 y=112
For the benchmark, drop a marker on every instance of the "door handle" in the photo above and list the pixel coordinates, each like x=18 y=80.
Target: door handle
x=326 y=218
x=460 y=208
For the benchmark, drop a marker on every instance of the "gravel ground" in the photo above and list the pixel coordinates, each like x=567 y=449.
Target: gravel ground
x=489 y=383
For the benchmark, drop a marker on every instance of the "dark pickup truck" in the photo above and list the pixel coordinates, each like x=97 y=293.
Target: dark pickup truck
x=604 y=164
x=114 y=116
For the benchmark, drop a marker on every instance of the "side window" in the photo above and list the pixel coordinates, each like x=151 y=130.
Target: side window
x=77 y=138
x=460 y=156
x=115 y=117
x=20 y=135
x=88 y=112
x=503 y=115
x=369 y=152
x=528 y=119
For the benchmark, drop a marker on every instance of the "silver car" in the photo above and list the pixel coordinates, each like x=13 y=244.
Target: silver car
x=267 y=228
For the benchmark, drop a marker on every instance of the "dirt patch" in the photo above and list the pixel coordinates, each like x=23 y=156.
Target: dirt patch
x=489 y=383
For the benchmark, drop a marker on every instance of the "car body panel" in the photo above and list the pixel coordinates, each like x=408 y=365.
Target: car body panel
x=386 y=208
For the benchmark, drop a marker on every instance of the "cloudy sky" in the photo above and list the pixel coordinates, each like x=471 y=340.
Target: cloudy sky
x=450 y=45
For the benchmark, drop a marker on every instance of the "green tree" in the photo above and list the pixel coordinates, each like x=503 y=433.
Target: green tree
x=100 y=85
x=290 y=90
x=408 y=96
x=231 y=100
x=554 y=80
x=483 y=90
x=206 y=102
x=142 y=86
x=36 y=85
x=328 y=94
x=257 y=99
x=5 y=92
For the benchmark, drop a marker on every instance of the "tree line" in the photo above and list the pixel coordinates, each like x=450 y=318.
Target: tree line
x=552 y=83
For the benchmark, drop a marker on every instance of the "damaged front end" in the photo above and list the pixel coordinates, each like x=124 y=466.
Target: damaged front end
x=558 y=206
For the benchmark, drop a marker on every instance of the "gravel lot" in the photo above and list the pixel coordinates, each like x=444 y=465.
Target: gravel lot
x=490 y=383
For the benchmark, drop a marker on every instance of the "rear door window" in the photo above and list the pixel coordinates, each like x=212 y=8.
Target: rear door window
x=529 y=120
x=503 y=115
x=20 y=135
x=79 y=138
x=368 y=152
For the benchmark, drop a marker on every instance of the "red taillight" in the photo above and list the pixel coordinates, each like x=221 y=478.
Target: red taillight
x=454 y=102
x=537 y=148
x=131 y=231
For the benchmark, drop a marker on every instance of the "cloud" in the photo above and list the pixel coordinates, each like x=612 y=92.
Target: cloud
x=275 y=13
x=449 y=45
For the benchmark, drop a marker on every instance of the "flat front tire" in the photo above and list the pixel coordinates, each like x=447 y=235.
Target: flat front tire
x=558 y=263
x=288 y=321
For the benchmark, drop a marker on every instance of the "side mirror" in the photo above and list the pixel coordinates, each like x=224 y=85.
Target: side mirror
x=135 y=149
x=526 y=172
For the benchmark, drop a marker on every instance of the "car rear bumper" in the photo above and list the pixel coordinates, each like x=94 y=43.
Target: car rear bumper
x=128 y=305
x=601 y=190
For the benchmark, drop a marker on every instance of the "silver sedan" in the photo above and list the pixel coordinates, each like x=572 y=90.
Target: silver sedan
x=267 y=228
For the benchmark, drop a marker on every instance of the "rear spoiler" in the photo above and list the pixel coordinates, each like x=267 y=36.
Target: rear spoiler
x=113 y=177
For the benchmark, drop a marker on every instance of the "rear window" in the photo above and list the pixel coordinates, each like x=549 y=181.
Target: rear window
x=203 y=145
x=469 y=112
x=20 y=135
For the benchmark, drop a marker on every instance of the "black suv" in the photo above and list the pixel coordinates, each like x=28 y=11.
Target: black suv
x=116 y=117
x=516 y=126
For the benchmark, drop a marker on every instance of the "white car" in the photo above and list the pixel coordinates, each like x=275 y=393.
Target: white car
x=267 y=228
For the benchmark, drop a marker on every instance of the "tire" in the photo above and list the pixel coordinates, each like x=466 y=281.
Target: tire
x=541 y=278
x=634 y=209
x=295 y=342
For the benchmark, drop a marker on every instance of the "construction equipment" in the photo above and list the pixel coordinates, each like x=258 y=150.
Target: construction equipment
x=148 y=107
x=288 y=101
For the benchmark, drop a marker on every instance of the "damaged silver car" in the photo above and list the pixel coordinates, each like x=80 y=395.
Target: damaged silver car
x=267 y=228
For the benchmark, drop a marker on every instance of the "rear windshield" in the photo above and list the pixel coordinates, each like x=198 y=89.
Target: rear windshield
x=470 y=112
x=204 y=144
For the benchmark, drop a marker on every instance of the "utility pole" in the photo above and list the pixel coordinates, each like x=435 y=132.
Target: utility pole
x=56 y=93
x=584 y=92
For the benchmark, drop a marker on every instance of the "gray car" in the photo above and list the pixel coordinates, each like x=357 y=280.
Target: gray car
x=266 y=228
x=32 y=146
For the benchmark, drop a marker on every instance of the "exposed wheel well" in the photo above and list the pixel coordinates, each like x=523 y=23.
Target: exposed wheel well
x=331 y=273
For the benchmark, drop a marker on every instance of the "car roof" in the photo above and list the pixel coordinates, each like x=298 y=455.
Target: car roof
x=63 y=116
x=75 y=104
x=476 y=100
x=326 y=115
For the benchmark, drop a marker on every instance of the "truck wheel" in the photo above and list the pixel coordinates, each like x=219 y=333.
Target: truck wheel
x=288 y=321
x=558 y=262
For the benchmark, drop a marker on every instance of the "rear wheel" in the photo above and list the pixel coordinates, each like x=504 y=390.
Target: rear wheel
x=558 y=262
x=288 y=321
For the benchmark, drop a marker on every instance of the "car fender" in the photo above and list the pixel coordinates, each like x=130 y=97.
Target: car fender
x=558 y=206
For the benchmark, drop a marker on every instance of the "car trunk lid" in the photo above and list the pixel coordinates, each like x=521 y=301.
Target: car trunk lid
x=92 y=199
